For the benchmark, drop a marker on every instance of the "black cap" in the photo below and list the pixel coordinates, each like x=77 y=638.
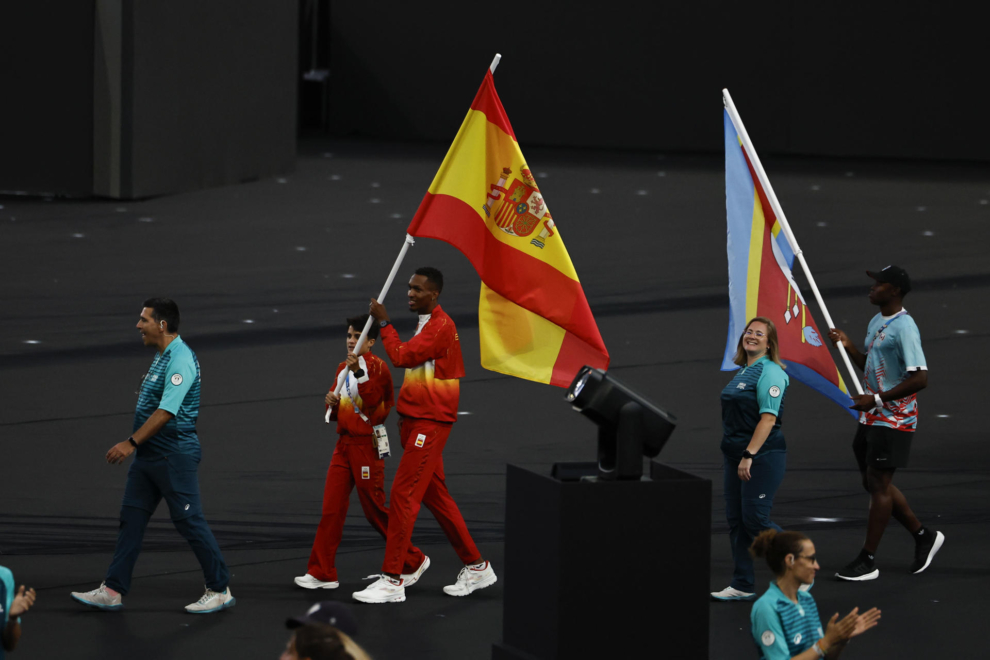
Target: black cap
x=893 y=275
x=329 y=612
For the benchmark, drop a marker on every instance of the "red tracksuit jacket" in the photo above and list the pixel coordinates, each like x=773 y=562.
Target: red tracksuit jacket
x=431 y=388
x=375 y=398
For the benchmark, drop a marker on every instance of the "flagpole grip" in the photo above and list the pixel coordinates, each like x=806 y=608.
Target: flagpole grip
x=828 y=321
x=761 y=174
x=409 y=242
x=494 y=64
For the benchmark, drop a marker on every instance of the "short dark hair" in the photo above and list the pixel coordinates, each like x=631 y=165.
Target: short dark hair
x=318 y=641
x=164 y=309
x=357 y=322
x=433 y=276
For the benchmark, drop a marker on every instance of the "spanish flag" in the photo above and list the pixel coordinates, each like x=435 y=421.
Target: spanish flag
x=761 y=282
x=534 y=319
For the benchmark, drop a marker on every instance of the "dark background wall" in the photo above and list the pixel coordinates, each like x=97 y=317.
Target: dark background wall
x=132 y=99
x=214 y=92
x=875 y=79
x=46 y=96
x=127 y=98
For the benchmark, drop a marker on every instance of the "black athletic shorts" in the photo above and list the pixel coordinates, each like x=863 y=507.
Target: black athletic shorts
x=882 y=447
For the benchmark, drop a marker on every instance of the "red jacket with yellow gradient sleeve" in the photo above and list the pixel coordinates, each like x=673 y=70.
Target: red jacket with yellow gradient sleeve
x=431 y=388
x=374 y=392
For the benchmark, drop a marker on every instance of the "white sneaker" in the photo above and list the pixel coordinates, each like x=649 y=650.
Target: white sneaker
x=409 y=579
x=729 y=594
x=99 y=598
x=382 y=590
x=309 y=582
x=471 y=579
x=212 y=601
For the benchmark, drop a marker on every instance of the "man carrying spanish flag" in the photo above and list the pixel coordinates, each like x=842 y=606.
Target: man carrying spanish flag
x=534 y=321
x=427 y=410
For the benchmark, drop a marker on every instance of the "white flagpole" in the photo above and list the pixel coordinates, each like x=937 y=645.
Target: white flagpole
x=779 y=212
x=494 y=64
x=381 y=297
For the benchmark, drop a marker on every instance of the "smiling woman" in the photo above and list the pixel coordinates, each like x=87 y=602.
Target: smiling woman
x=753 y=447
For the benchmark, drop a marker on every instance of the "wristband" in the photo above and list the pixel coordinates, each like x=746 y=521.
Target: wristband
x=818 y=649
x=131 y=440
x=747 y=454
x=876 y=397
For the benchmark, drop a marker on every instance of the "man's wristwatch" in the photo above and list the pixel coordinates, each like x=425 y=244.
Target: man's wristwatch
x=131 y=440
x=748 y=454
x=382 y=324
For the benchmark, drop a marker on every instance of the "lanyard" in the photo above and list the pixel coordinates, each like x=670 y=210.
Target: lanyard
x=884 y=327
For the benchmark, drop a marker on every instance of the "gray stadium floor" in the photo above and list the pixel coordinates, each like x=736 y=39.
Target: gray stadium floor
x=265 y=272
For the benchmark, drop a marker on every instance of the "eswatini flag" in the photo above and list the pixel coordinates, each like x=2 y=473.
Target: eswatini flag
x=761 y=282
x=534 y=319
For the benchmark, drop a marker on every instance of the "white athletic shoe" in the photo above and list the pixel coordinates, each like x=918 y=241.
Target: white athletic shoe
x=99 y=598
x=212 y=601
x=309 y=582
x=470 y=579
x=409 y=579
x=730 y=594
x=382 y=590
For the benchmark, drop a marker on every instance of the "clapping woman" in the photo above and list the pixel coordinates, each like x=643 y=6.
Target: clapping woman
x=785 y=622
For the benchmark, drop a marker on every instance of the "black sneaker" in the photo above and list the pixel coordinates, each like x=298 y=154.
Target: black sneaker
x=861 y=569
x=925 y=552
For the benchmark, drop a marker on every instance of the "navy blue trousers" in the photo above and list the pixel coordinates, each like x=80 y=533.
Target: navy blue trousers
x=747 y=508
x=173 y=478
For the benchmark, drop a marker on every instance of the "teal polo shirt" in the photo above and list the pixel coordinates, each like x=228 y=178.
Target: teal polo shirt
x=781 y=628
x=7 y=592
x=754 y=390
x=171 y=384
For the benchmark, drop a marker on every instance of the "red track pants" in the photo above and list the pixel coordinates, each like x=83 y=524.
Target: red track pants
x=420 y=479
x=355 y=461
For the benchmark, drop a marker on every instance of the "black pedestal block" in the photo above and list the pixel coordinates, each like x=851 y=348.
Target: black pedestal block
x=606 y=569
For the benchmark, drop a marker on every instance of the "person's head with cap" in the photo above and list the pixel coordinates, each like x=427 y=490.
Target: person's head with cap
x=322 y=634
x=315 y=641
x=891 y=282
x=328 y=612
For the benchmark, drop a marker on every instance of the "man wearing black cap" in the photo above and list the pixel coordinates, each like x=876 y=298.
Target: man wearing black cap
x=894 y=370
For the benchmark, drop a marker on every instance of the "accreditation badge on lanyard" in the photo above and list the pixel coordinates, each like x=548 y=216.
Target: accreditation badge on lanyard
x=381 y=435
x=381 y=440
x=879 y=333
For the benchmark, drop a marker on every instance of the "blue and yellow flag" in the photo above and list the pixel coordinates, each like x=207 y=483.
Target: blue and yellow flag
x=761 y=282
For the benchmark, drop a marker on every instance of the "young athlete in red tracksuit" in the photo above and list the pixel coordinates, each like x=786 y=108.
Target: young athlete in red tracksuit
x=427 y=409
x=355 y=460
